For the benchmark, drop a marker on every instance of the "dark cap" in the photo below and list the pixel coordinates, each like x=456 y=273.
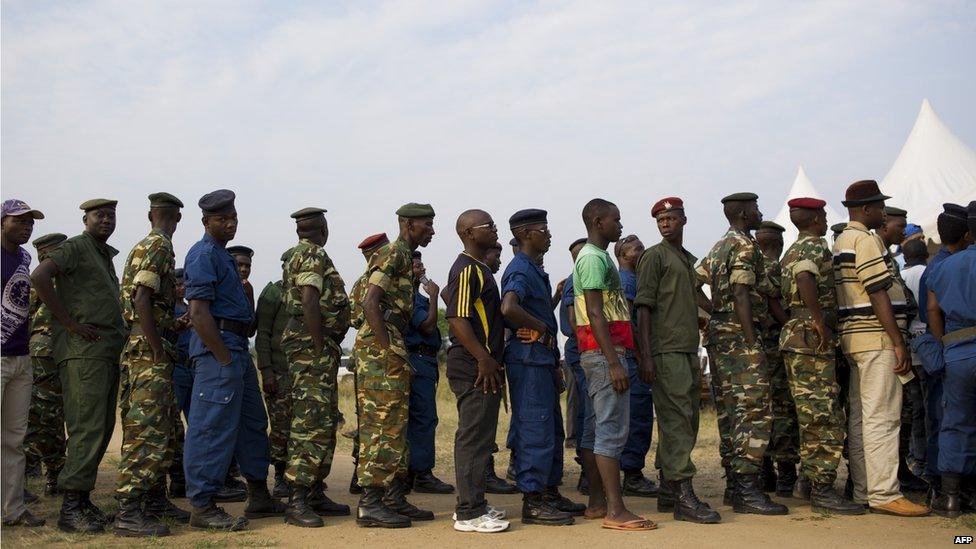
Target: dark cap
x=531 y=216
x=806 y=203
x=896 y=212
x=414 y=210
x=863 y=192
x=286 y=255
x=240 y=250
x=218 y=202
x=954 y=210
x=98 y=203
x=513 y=242
x=306 y=213
x=771 y=226
x=178 y=273
x=576 y=243
x=374 y=241
x=416 y=254
x=48 y=240
x=740 y=197
x=838 y=227
x=971 y=210
x=15 y=206
x=164 y=200
x=666 y=205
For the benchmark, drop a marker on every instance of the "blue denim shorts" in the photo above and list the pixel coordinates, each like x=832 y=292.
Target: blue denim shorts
x=607 y=422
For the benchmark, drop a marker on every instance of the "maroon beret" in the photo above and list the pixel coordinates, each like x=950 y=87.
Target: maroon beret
x=374 y=241
x=806 y=203
x=666 y=205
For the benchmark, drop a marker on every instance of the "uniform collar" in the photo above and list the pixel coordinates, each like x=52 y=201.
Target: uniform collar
x=856 y=225
x=530 y=261
x=102 y=247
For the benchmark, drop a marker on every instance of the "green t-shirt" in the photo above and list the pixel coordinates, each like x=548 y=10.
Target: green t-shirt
x=594 y=270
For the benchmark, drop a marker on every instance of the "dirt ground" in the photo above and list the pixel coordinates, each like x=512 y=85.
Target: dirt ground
x=801 y=528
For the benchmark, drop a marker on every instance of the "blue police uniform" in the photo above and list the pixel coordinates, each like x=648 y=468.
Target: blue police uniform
x=227 y=418
x=422 y=423
x=952 y=284
x=931 y=382
x=641 y=401
x=536 y=431
x=572 y=358
x=182 y=373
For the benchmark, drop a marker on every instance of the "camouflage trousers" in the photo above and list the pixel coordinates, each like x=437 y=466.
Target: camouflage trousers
x=279 y=415
x=44 y=442
x=148 y=408
x=743 y=382
x=383 y=396
x=812 y=380
x=312 y=435
x=784 y=439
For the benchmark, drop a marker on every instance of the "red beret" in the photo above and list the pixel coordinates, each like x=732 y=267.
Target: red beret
x=373 y=241
x=806 y=203
x=666 y=205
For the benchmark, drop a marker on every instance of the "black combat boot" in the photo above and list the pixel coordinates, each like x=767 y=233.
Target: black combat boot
x=768 y=475
x=260 y=504
x=424 y=482
x=665 y=497
x=230 y=492
x=824 y=499
x=298 y=512
x=749 y=498
x=688 y=507
x=177 y=480
x=212 y=517
x=562 y=503
x=395 y=500
x=132 y=522
x=73 y=517
x=354 y=487
x=949 y=503
x=93 y=511
x=373 y=514
x=636 y=484
x=730 y=486
x=511 y=474
x=802 y=488
x=323 y=505
x=908 y=480
x=51 y=482
x=158 y=506
x=536 y=510
x=785 y=478
x=493 y=483
x=281 y=488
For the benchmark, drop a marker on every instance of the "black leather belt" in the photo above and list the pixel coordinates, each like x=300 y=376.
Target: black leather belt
x=425 y=350
x=236 y=327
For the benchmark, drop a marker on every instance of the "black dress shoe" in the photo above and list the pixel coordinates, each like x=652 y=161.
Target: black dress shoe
x=212 y=517
x=26 y=519
x=536 y=510
x=496 y=485
x=425 y=482
x=229 y=494
x=562 y=503
x=636 y=484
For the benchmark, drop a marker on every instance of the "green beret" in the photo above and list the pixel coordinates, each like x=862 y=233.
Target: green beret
x=48 y=240
x=287 y=254
x=96 y=203
x=740 y=197
x=838 y=227
x=772 y=225
x=164 y=200
x=306 y=213
x=897 y=212
x=414 y=210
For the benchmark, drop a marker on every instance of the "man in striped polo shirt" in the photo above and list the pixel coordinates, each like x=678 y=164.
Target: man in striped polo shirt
x=872 y=327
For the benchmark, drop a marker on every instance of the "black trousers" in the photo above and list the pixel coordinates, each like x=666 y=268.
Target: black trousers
x=473 y=443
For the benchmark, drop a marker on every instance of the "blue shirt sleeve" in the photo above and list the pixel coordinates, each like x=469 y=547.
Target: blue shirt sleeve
x=628 y=280
x=200 y=274
x=516 y=282
x=565 y=301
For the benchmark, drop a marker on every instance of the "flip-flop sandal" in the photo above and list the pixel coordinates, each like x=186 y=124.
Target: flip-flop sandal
x=638 y=525
x=588 y=516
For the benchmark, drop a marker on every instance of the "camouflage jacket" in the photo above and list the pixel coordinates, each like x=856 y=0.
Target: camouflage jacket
x=391 y=269
x=771 y=290
x=41 y=327
x=152 y=264
x=311 y=266
x=735 y=259
x=356 y=297
x=808 y=254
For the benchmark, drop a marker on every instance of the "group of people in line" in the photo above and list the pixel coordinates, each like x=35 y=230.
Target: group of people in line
x=814 y=356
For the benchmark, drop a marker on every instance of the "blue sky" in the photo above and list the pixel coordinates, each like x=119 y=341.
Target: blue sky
x=360 y=107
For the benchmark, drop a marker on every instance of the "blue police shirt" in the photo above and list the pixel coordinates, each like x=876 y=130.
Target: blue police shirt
x=413 y=335
x=182 y=338
x=567 y=300
x=923 y=295
x=210 y=274
x=628 y=283
x=952 y=283
x=531 y=285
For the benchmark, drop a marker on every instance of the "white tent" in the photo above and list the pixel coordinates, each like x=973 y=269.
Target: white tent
x=934 y=167
x=802 y=187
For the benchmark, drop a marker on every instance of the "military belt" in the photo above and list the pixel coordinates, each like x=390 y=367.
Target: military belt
x=801 y=312
x=235 y=327
x=956 y=336
x=421 y=349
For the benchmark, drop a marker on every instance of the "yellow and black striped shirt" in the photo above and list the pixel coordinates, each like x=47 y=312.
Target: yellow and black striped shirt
x=472 y=294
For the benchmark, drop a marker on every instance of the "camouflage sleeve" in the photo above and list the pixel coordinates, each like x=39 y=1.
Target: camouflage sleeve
x=770 y=284
x=310 y=269
x=337 y=319
x=702 y=272
x=382 y=268
x=743 y=264
x=150 y=261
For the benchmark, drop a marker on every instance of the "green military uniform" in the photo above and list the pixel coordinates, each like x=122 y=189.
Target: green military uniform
x=811 y=372
x=740 y=374
x=356 y=296
x=44 y=442
x=383 y=375
x=784 y=437
x=314 y=394
x=88 y=288
x=148 y=404
x=666 y=285
x=271 y=319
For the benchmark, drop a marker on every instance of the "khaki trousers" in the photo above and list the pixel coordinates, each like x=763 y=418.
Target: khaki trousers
x=15 y=387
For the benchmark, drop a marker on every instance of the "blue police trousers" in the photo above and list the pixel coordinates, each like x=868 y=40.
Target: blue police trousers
x=422 y=423
x=536 y=433
x=183 y=387
x=641 y=420
x=227 y=420
x=932 y=396
x=957 y=439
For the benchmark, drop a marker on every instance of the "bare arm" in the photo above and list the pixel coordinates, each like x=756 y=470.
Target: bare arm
x=489 y=371
x=206 y=328
x=936 y=322
x=312 y=317
x=743 y=311
x=647 y=366
x=881 y=304
x=42 y=280
x=601 y=332
x=142 y=302
x=807 y=286
x=374 y=317
x=429 y=325
x=515 y=314
x=776 y=309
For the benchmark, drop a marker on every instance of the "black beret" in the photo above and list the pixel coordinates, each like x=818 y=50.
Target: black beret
x=531 y=216
x=576 y=243
x=96 y=203
x=48 y=240
x=218 y=202
x=416 y=254
x=897 y=212
x=838 y=227
x=772 y=225
x=954 y=210
x=414 y=210
x=240 y=250
x=740 y=197
x=164 y=200
x=306 y=213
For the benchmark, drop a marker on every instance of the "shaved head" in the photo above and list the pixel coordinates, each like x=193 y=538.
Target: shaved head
x=471 y=218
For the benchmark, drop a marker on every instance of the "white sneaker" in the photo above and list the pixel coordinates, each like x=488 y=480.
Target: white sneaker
x=483 y=525
x=493 y=512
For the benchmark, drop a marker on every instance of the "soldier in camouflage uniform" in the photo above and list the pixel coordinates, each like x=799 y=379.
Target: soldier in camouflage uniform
x=318 y=318
x=148 y=297
x=808 y=343
x=383 y=375
x=44 y=441
x=733 y=269
x=275 y=381
x=784 y=437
